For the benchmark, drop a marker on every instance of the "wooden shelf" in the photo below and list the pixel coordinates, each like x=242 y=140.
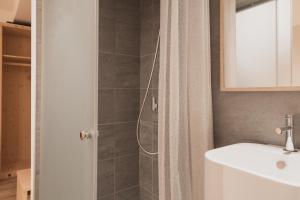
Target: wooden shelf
x=15 y=166
x=17 y=64
x=16 y=29
x=15 y=26
x=16 y=58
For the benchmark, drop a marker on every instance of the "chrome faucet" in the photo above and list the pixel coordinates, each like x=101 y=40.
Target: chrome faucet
x=288 y=131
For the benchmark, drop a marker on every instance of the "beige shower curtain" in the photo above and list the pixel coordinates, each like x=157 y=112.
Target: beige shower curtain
x=185 y=110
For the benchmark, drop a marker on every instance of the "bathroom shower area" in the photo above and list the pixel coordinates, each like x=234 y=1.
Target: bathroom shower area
x=128 y=98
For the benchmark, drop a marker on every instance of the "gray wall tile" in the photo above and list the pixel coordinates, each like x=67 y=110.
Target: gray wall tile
x=118 y=105
x=109 y=197
x=150 y=18
x=126 y=104
x=125 y=136
x=145 y=195
x=107 y=68
x=107 y=9
x=146 y=135
x=119 y=71
x=129 y=194
x=146 y=11
x=155 y=177
x=155 y=78
x=106 y=106
x=107 y=35
x=106 y=178
x=127 y=71
x=117 y=140
x=106 y=142
x=126 y=168
x=155 y=136
x=156 y=11
x=127 y=39
x=145 y=70
x=146 y=174
x=123 y=24
x=119 y=80
x=147 y=39
x=155 y=197
x=147 y=110
x=128 y=12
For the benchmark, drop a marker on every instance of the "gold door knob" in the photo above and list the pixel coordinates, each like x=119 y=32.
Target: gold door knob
x=84 y=135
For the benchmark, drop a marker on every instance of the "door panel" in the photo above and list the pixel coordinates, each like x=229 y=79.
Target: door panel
x=69 y=100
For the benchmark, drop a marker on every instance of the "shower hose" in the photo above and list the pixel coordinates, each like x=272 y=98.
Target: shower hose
x=144 y=100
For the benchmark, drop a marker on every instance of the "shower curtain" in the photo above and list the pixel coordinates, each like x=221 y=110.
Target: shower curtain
x=185 y=109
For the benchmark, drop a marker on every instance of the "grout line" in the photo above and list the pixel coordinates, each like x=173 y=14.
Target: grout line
x=149 y=122
x=118 y=157
x=147 y=54
x=141 y=152
x=121 y=54
x=107 y=195
x=116 y=123
x=153 y=88
x=146 y=189
x=118 y=54
x=129 y=188
x=108 y=88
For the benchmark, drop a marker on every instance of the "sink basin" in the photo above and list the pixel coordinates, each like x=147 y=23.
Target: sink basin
x=252 y=171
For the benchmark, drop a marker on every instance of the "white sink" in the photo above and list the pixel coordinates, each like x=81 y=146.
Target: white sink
x=252 y=172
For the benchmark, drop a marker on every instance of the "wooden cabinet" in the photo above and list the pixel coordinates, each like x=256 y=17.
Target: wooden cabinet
x=15 y=91
x=23 y=184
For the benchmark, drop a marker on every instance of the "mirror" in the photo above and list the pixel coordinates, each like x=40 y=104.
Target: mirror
x=260 y=45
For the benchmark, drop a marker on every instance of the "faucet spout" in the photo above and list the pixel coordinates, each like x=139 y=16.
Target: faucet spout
x=289 y=146
x=288 y=131
x=283 y=130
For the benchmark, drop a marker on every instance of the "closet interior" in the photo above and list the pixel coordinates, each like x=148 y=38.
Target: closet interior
x=15 y=92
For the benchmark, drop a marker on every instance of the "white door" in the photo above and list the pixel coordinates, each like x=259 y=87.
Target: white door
x=69 y=100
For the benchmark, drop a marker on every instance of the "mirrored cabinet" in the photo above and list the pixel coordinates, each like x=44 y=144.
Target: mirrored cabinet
x=260 y=45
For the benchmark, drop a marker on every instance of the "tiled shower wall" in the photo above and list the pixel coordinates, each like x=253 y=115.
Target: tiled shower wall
x=128 y=36
x=148 y=165
x=119 y=90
